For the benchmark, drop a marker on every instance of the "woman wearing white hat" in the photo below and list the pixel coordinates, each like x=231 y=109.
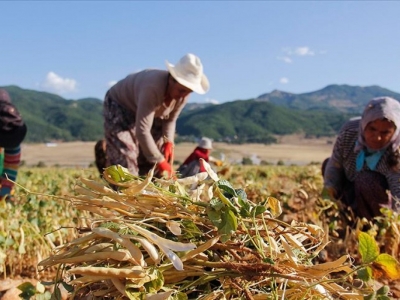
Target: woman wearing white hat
x=140 y=113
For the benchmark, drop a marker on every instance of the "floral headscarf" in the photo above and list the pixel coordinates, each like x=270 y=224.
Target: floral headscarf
x=380 y=108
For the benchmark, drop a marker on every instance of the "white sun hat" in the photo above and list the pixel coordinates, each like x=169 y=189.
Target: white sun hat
x=189 y=72
x=205 y=143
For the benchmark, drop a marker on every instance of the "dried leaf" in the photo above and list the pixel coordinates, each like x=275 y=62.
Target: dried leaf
x=138 y=188
x=174 y=227
x=159 y=241
x=274 y=206
x=195 y=179
x=149 y=247
x=294 y=242
x=209 y=170
x=288 y=250
x=321 y=270
x=201 y=248
x=159 y=296
x=389 y=264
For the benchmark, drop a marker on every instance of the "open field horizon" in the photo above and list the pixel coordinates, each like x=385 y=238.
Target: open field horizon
x=291 y=150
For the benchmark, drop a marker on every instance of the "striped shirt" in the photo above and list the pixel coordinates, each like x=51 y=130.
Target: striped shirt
x=342 y=163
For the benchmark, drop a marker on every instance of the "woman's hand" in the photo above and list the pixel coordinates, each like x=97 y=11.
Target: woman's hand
x=165 y=168
x=168 y=152
x=329 y=192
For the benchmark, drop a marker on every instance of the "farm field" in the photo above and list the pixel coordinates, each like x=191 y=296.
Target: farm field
x=50 y=211
x=290 y=150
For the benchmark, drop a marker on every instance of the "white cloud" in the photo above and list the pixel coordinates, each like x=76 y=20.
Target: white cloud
x=111 y=83
x=284 y=80
x=57 y=84
x=303 y=51
x=298 y=51
x=212 y=101
x=286 y=59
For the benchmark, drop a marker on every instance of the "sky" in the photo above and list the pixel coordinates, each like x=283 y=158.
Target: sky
x=78 y=49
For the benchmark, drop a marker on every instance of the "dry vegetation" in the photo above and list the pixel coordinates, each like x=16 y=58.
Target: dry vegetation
x=247 y=232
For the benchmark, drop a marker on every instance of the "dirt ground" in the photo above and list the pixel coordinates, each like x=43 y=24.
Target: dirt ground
x=290 y=150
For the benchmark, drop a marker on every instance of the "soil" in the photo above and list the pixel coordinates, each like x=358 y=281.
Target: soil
x=290 y=150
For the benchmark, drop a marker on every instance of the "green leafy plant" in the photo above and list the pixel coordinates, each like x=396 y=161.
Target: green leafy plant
x=376 y=265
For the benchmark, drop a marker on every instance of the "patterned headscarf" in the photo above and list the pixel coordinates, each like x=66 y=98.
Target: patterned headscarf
x=12 y=127
x=380 y=108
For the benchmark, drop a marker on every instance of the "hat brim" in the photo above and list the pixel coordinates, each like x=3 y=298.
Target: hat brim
x=200 y=88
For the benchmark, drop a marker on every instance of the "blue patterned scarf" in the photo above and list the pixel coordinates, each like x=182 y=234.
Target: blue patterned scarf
x=370 y=158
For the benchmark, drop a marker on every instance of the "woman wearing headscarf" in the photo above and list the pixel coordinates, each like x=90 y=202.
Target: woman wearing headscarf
x=140 y=113
x=192 y=164
x=364 y=169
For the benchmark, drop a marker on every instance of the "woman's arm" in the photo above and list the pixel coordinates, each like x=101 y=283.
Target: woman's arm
x=334 y=171
x=146 y=107
x=169 y=125
x=12 y=159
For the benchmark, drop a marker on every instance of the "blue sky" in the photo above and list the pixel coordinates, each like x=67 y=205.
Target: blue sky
x=76 y=49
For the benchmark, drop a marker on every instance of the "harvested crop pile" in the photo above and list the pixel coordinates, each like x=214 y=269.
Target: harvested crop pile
x=193 y=238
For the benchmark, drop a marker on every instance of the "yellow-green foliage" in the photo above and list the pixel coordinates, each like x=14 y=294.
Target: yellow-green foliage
x=34 y=222
x=42 y=217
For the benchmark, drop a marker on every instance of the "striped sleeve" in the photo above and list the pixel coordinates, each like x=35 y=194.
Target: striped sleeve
x=12 y=159
x=341 y=164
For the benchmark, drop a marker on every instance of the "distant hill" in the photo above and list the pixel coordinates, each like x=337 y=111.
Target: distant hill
x=344 y=98
x=321 y=113
x=52 y=118
x=193 y=106
x=252 y=121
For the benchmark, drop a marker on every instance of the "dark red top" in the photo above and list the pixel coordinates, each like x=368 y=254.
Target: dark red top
x=196 y=155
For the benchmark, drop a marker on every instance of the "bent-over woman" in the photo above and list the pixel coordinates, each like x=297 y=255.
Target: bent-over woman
x=140 y=114
x=364 y=171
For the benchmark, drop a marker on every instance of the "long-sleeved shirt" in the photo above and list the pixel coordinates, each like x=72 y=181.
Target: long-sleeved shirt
x=343 y=161
x=196 y=155
x=12 y=159
x=143 y=94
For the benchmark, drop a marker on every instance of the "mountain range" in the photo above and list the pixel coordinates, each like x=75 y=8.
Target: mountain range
x=344 y=98
x=50 y=117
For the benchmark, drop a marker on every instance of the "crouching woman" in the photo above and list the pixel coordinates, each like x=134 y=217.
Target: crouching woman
x=364 y=169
